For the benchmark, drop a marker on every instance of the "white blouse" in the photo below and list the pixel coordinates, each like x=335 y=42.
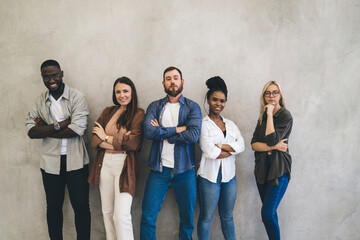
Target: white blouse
x=211 y=135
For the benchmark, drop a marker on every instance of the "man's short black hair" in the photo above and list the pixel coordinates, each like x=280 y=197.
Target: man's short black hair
x=50 y=62
x=170 y=69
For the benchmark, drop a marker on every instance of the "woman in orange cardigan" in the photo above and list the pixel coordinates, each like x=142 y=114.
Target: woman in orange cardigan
x=117 y=138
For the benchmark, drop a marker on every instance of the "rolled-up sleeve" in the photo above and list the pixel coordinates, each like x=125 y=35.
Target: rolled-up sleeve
x=281 y=129
x=255 y=137
x=207 y=144
x=30 y=123
x=79 y=114
x=238 y=145
x=34 y=112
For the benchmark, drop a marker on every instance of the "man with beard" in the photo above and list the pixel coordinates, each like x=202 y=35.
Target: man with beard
x=59 y=118
x=174 y=124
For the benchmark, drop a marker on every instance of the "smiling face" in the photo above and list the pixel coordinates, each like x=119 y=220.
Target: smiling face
x=123 y=94
x=272 y=95
x=173 y=84
x=52 y=78
x=216 y=102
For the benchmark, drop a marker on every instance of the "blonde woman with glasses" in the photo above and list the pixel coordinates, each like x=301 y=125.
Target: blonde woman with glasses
x=272 y=158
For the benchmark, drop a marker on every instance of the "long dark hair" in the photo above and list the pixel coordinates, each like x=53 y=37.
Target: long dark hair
x=126 y=117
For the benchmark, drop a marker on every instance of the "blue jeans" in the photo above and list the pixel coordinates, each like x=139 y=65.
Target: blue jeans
x=212 y=195
x=271 y=196
x=157 y=185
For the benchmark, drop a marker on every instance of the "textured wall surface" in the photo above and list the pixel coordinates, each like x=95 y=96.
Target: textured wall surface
x=311 y=47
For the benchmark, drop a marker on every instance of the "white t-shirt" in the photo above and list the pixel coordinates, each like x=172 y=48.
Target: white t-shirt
x=57 y=112
x=170 y=118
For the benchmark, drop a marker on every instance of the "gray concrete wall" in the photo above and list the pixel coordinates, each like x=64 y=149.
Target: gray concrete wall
x=311 y=47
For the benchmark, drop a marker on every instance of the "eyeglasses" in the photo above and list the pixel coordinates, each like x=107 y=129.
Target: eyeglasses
x=54 y=76
x=274 y=93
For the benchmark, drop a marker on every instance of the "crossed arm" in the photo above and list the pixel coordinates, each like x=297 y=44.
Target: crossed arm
x=225 y=150
x=43 y=130
x=100 y=133
x=263 y=147
x=155 y=123
x=273 y=136
x=186 y=134
x=121 y=141
x=211 y=150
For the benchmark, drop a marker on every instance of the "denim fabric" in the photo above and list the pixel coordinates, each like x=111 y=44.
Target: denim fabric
x=184 y=152
x=78 y=187
x=157 y=185
x=271 y=196
x=212 y=195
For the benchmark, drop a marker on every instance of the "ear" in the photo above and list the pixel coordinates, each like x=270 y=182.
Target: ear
x=163 y=83
x=62 y=73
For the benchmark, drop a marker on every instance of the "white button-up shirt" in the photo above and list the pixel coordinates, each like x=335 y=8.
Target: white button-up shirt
x=211 y=135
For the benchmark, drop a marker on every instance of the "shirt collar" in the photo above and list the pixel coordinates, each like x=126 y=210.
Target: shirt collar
x=166 y=99
x=207 y=118
x=65 y=94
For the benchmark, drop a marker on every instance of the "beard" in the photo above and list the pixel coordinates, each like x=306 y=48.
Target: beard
x=174 y=92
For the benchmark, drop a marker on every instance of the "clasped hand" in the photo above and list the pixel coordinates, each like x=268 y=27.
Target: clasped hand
x=281 y=145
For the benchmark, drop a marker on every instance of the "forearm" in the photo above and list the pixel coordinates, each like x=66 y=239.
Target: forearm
x=269 y=125
x=227 y=148
x=106 y=145
x=109 y=140
x=261 y=147
x=190 y=135
x=64 y=133
x=41 y=131
x=158 y=132
x=224 y=154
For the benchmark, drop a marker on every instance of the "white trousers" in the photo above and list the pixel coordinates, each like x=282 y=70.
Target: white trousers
x=116 y=206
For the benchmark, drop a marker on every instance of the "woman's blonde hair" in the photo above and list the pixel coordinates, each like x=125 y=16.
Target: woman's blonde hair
x=262 y=98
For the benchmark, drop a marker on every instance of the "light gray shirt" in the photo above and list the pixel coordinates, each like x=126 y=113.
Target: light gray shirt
x=74 y=107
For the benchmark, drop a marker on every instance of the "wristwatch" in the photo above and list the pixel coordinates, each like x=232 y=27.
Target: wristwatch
x=106 y=138
x=56 y=126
